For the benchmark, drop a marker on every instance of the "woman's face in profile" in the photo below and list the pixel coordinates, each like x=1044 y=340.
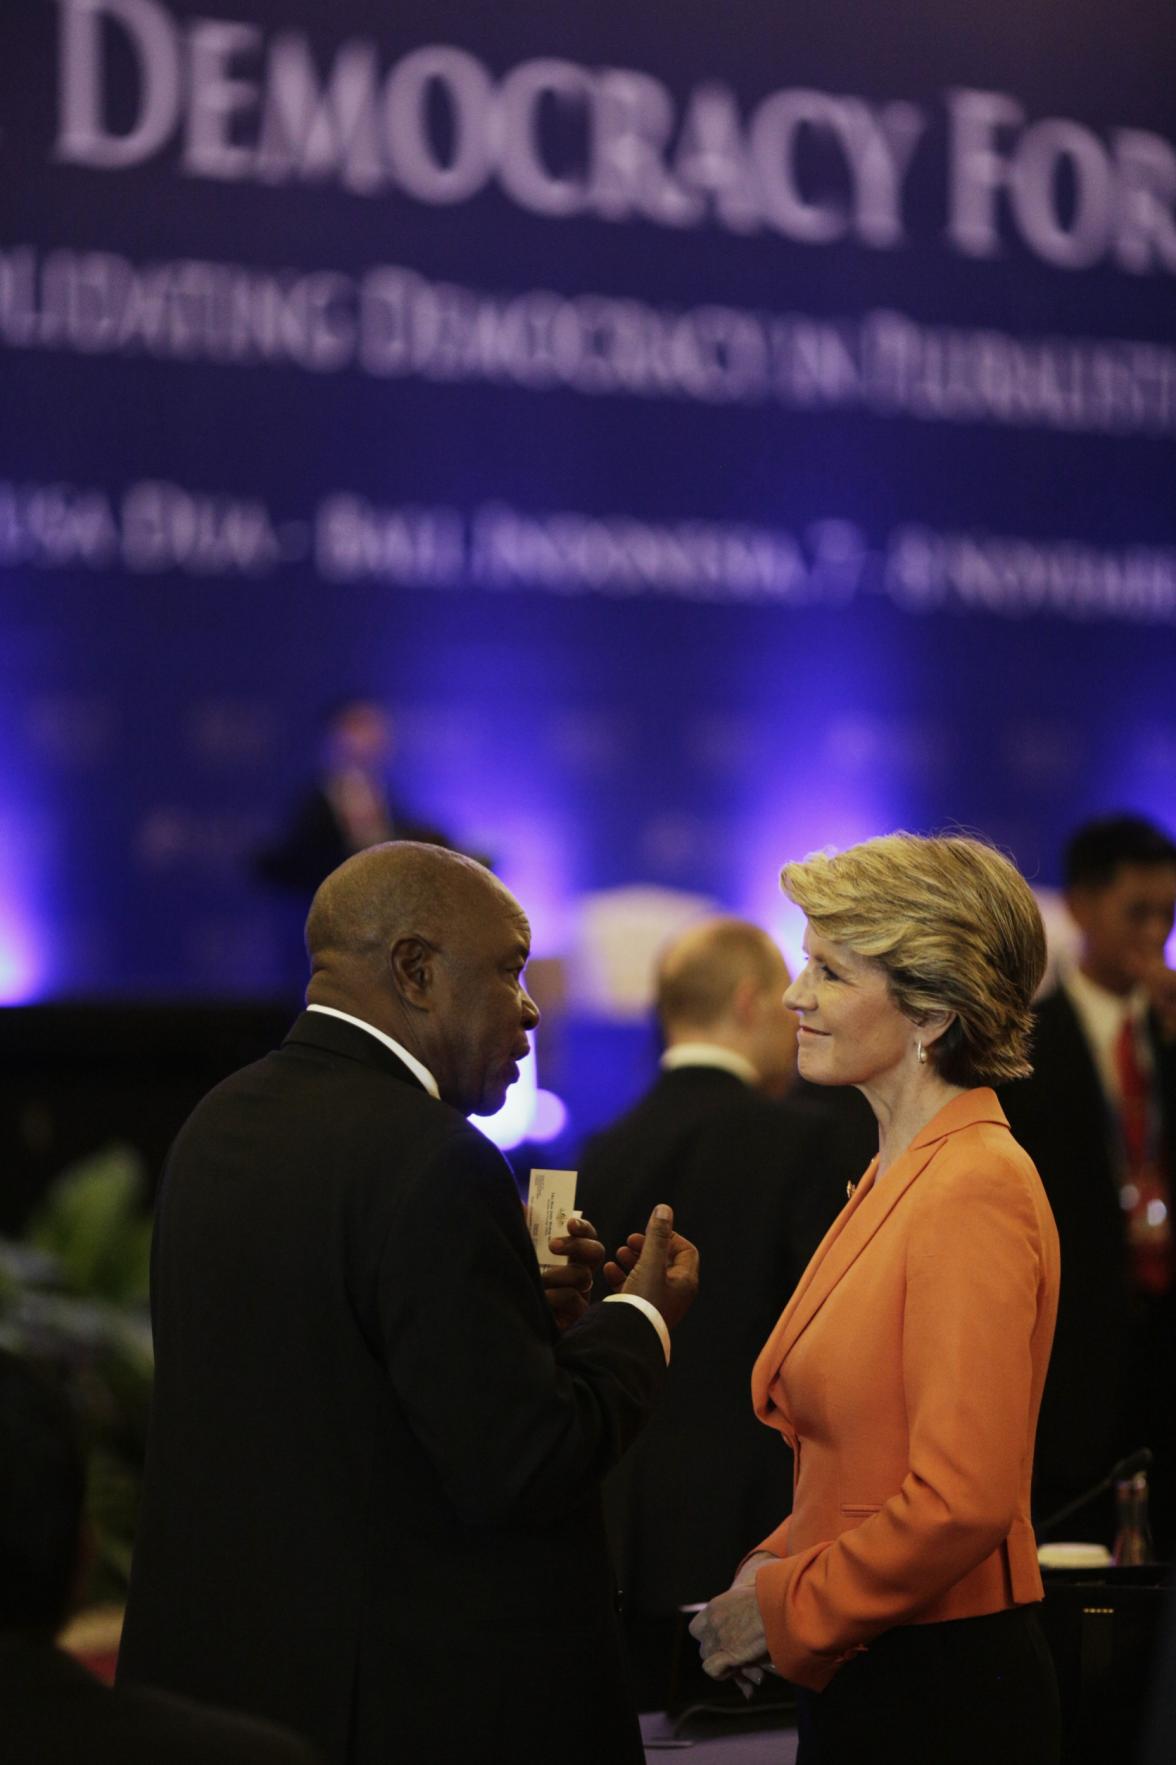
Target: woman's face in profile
x=851 y=1031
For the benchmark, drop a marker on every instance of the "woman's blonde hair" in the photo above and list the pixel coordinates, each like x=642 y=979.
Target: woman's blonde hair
x=954 y=925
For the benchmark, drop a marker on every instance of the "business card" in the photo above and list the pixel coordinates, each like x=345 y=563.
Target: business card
x=550 y=1200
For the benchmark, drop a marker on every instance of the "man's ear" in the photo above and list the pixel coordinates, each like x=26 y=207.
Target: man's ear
x=746 y=1001
x=412 y=963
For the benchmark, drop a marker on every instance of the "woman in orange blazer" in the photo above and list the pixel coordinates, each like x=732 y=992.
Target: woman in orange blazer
x=906 y=1372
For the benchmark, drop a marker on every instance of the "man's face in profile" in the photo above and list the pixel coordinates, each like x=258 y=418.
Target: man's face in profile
x=483 y=1008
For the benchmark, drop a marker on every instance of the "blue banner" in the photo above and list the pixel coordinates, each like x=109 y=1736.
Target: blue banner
x=713 y=435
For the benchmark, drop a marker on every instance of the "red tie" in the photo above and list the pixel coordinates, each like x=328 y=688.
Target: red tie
x=1143 y=1189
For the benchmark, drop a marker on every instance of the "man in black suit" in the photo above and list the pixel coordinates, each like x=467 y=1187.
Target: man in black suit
x=1098 y=1118
x=371 y=1507
x=348 y=807
x=52 y=1711
x=760 y=1181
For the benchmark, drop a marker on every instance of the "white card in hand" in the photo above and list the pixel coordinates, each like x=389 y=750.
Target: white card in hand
x=550 y=1199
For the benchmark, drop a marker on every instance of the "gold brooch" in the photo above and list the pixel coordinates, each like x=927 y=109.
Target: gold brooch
x=849 y=1189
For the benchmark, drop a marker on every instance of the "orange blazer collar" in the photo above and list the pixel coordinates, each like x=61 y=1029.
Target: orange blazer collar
x=871 y=1204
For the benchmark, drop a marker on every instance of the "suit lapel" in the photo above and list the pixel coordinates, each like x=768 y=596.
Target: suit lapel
x=872 y=1204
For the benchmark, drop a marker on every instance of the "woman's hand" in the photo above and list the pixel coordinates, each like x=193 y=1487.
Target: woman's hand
x=730 y=1632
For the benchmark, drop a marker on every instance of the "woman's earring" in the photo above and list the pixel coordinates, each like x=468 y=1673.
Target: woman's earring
x=921 y=1052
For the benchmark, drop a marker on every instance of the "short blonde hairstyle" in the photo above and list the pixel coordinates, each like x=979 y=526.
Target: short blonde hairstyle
x=955 y=927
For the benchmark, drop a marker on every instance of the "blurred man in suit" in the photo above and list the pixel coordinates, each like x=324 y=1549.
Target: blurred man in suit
x=348 y=807
x=1098 y=1118
x=371 y=1507
x=760 y=1180
x=53 y=1711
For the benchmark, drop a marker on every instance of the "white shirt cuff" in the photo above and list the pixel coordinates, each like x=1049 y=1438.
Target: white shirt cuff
x=651 y=1312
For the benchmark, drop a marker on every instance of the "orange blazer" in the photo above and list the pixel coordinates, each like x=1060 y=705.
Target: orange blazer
x=906 y=1375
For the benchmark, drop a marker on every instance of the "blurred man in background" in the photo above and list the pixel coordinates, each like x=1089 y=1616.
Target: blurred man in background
x=1098 y=1118
x=349 y=807
x=760 y=1180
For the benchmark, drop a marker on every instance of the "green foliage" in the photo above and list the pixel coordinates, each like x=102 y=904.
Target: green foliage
x=93 y=1225
x=73 y=1296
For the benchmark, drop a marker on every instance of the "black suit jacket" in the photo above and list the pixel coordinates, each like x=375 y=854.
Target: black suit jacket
x=755 y=1184
x=1062 y=1118
x=55 y=1713
x=372 y=1492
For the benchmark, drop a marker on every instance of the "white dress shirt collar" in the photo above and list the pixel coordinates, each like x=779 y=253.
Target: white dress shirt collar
x=709 y=1054
x=411 y=1062
x=429 y=1082
x=1101 y=1016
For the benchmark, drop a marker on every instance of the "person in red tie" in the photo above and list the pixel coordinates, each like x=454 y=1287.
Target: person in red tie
x=1098 y=1118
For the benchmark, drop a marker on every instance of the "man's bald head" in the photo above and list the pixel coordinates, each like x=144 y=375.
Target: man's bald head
x=700 y=972
x=723 y=981
x=428 y=947
x=400 y=889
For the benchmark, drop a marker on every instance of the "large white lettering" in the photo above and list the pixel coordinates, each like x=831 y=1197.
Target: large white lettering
x=85 y=137
x=314 y=133
x=416 y=160
x=218 y=100
x=1071 y=197
x=560 y=139
x=528 y=175
x=1145 y=230
x=632 y=124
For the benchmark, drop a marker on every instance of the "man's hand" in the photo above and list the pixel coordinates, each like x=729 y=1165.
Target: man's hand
x=658 y=1265
x=730 y=1632
x=569 y=1285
